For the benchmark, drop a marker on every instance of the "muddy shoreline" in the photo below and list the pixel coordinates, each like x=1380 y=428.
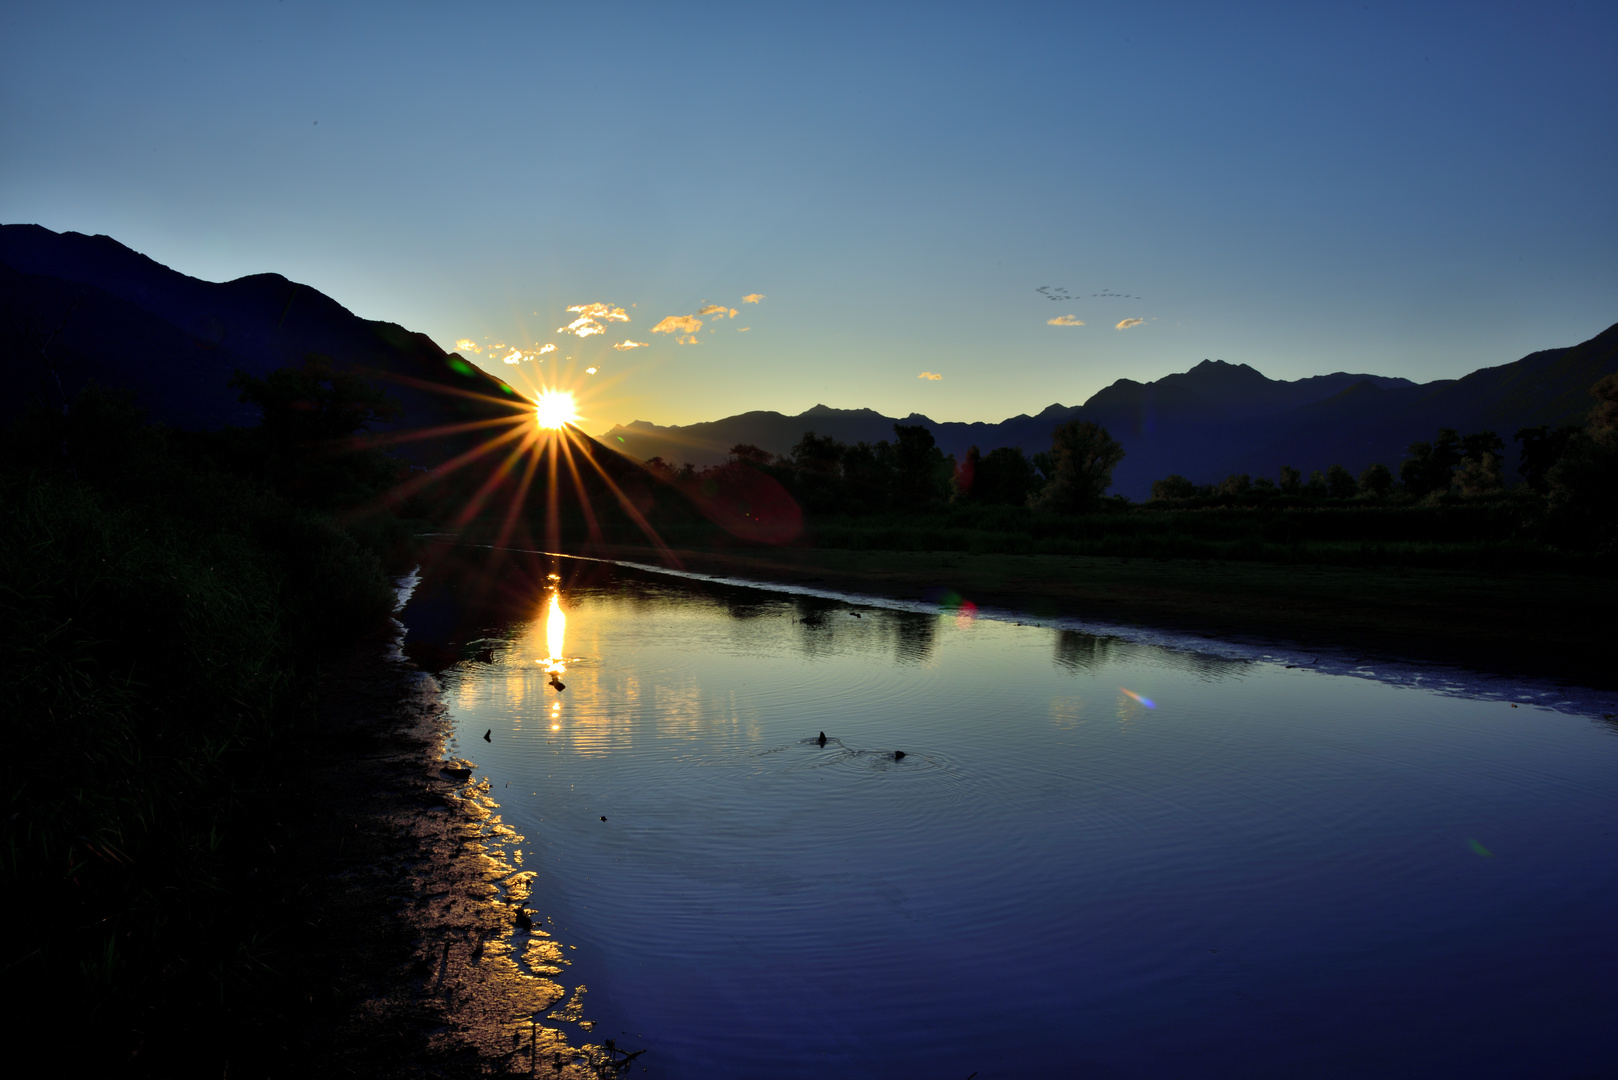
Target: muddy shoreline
x=389 y=911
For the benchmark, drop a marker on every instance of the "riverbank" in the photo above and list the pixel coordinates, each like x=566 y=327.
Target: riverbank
x=379 y=917
x=1531 y=623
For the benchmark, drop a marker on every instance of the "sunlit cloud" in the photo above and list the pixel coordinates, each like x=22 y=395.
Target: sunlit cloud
x=743 y=329
x=586 y=323
x=582 y=327
x=515 y=357
x=678 y=324
x=627 y=344
x=752 y=298
x=1065 y=320
x=543 y=349
x=590 y=370
x=1127 y=323
x=605 y=312
x=687 y=339
x=719 y=310
x=930 y=376
x=468 y=345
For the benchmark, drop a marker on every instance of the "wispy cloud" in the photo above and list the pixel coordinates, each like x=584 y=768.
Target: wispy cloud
x=688 y=339
x=930 y=376
x=743 y=329
x=678 y=324
x=468 y=345
x=1065 y=320
x=718 y=310
x=752 y=298
x=627 y=344
x=1127 y=323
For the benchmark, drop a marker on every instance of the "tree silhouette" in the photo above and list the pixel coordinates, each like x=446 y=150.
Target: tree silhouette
x=1082 y=458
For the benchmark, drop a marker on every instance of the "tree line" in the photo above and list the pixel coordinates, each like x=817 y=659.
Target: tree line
x=826 y=476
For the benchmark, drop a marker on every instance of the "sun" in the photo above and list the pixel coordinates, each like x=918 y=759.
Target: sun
x=555 y=409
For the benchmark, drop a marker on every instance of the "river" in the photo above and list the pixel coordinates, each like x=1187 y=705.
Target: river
x=1019 y=847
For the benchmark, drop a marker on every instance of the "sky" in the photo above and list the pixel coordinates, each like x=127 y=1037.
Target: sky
x=967 y=211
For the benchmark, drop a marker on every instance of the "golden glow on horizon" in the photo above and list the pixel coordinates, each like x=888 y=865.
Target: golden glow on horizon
x=555 y=408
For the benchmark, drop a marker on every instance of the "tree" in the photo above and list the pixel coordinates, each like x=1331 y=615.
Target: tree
x=1340 y=483
x=315 y=424
x=1236 y=485
x=923 y=472
x=748 y=454
x=1583 y=484
x=1376 y=480
x=1291 y=481
x=1002 y=478
x=1431 y=466
x=1541 y=449
x=1173 y=486
x=1083 y=456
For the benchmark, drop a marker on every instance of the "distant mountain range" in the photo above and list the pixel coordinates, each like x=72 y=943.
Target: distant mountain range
x=97 y=310
x=1211 y=421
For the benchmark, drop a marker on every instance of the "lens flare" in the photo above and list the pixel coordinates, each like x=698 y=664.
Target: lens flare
x=555 y=408
x=1146 y=701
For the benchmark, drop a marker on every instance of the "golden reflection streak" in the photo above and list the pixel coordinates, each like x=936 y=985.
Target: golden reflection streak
x=555 y=630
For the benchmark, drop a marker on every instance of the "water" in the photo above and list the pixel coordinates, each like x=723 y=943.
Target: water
x=1270 y=872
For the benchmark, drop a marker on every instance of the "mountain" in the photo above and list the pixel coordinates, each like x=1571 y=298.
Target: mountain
x=75 y=308
x=1211 y=421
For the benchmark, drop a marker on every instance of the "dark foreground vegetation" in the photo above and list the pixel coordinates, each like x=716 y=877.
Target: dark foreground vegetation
x=169 y=604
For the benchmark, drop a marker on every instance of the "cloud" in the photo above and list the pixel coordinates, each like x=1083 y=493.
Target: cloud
x=586 y=323
x=687 y=339
x=678 y=324
x=543 y=349
x=468 y=345
x=601 y=311
x=752 y=298
x=1065 y=320
x=627 y=344
x=930 y=376
x=582 y=327
x=515 y=357
x=743 y=329
x=590 y=371
x=719 y=310
x=1127 y=323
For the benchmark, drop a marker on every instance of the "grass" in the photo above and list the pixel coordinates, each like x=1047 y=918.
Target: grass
x=163 y=626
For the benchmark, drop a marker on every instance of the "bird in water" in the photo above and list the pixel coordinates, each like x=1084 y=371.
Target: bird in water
x=558 y=683
x=822 y=739
x=898 y=755
x=488 y=736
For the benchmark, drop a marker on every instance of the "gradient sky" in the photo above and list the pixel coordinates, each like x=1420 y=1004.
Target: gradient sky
x=1415 y=190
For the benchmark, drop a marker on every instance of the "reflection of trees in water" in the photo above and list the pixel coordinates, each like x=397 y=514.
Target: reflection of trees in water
x=1083 y=652
x=913 y=636
x=1079 y=651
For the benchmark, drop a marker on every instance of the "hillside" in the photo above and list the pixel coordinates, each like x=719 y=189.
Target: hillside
x=1210 y=421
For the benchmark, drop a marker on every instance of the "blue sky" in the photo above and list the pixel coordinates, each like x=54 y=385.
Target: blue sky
x=1415 y=190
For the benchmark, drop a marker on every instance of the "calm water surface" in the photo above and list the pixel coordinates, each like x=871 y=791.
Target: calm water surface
x=1264 y=872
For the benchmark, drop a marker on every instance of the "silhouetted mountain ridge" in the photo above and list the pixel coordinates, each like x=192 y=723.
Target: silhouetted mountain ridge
x=102 y=311
x=1212 y=420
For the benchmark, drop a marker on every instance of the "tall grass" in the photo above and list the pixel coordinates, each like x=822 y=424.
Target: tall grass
x=162 y=625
